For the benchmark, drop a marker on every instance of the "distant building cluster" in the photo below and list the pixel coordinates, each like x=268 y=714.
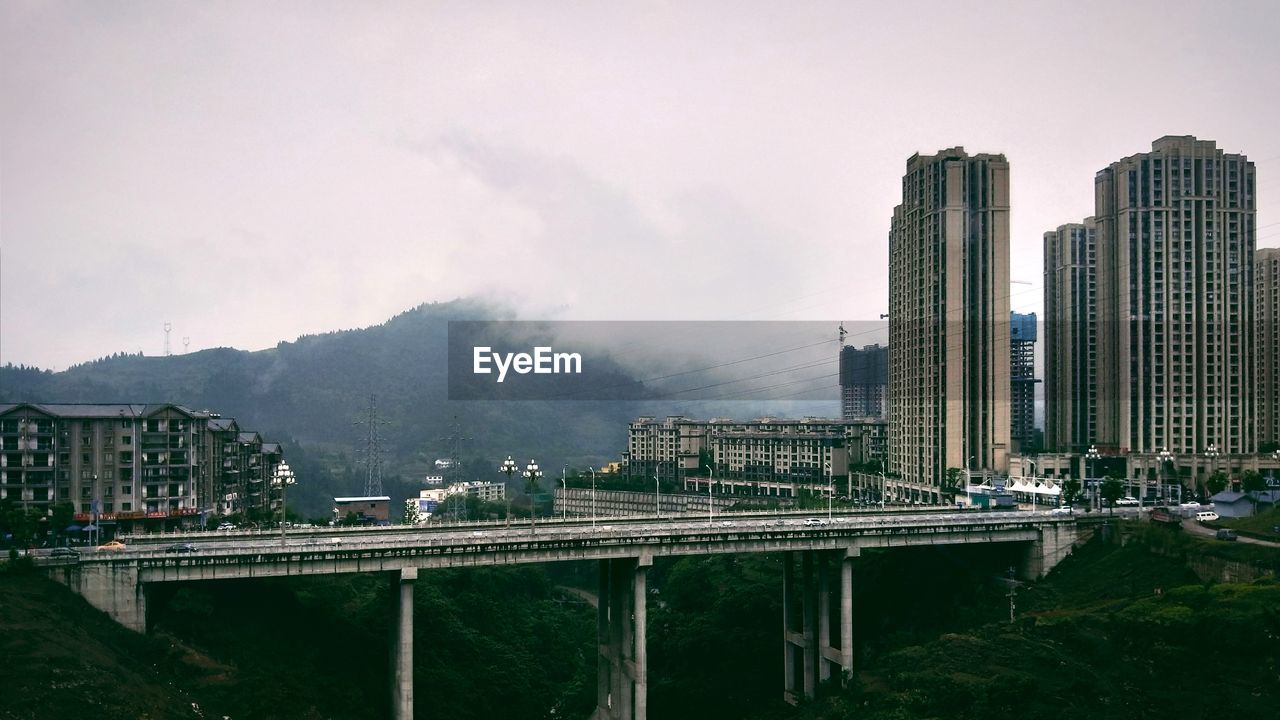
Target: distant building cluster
x=1161 y=350
x=764 y=456
x=136 y=466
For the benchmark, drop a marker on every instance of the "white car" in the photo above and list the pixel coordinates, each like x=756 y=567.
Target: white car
x=1207 y=516
x=815 y=521
x=1127 y=501
x=1060 y=511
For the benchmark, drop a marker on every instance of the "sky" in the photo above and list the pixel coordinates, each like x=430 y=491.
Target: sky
x=253 y=171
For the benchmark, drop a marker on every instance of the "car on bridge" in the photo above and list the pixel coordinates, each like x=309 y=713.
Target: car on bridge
x=181 y=548
x=64 y=552
x=112 y=546
x=811 y=522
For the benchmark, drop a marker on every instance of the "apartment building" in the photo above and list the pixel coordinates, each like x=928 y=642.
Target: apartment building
x=1175 y=304
x=864 y=382
x=948 y=322
x=1023 y=332
x=768 y=456
x=137 y=465
x=1266 y=288
x=1071 y=336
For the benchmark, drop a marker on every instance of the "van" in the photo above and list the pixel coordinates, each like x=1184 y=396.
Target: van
x=1225 y=534
x=1206 y=516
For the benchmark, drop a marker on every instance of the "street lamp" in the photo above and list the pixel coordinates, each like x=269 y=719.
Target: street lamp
x=711 y=481
x=593 y=495
x=831 y=490
x=657 y=497
x=1212 y=454
x=509 y=468
x=564 y=499
x=1089 y=457
x=284 y=478
x=884 y=484
x=1165 y=457
x=531 y=475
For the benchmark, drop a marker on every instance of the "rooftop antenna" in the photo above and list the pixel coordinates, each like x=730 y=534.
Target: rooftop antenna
x=167 y=328
x=186 y=344
x=843 y=333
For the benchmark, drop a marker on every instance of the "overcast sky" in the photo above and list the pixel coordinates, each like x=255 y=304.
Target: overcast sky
x=253 y=171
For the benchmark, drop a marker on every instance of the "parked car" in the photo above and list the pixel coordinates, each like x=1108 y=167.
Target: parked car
x=1225 y=534
x=1207 y=516
x=226 y=526
x=1127 y=501
x=181 y=548
x=113 y=546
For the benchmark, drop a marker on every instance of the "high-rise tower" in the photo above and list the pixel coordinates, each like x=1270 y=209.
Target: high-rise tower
x=1176 y=237
x=1266 y=288
x=1070 y=337
x=948 y=322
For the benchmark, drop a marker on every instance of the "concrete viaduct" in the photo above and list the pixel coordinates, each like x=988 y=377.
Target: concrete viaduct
x=117 y=582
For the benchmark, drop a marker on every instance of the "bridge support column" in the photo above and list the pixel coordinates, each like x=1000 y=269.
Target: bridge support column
x=402 y=644
x=799 y=644
x=113 y=588
x=809 y=657
x=832 y=659
x=622 y=674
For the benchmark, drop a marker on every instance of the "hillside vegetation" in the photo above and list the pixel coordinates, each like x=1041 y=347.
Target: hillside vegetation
x=1113 y=632
x=309 y=394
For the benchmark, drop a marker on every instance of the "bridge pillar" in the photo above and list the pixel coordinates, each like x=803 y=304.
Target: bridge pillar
x=622 y=675
x=1043 y=554
x=799 y=644
x=402 y=643
x=113 y=588
x=809 y=656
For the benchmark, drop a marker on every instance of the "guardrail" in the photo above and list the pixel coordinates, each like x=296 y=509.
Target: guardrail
x=549 y=535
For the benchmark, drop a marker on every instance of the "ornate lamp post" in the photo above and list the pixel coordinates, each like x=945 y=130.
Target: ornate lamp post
x=592 y=470
x=1211 y=453
x=710 y=499
x=1089 y=457
x=508 y=468
x=531 y=475
x=1166 y=458
x=284 y=478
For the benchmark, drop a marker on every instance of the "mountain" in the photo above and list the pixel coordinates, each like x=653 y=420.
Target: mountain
x=310 y=394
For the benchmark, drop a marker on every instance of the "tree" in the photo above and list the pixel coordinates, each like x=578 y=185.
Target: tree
x=1252 y=484
x=63 y=514
x=411 y=514
x=1070 y=489
x=1216 y=483
x=1112 y=491
x=952 y=485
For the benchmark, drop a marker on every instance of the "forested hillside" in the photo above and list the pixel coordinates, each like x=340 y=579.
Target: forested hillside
x=309 y=393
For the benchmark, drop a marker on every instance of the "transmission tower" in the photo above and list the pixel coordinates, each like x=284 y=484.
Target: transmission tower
x=167 y=328
x=455 y=440
x=373 y=449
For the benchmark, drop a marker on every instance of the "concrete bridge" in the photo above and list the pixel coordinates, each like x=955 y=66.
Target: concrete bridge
x=117 y=583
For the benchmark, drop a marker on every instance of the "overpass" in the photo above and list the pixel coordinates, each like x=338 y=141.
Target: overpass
x=117 y=582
